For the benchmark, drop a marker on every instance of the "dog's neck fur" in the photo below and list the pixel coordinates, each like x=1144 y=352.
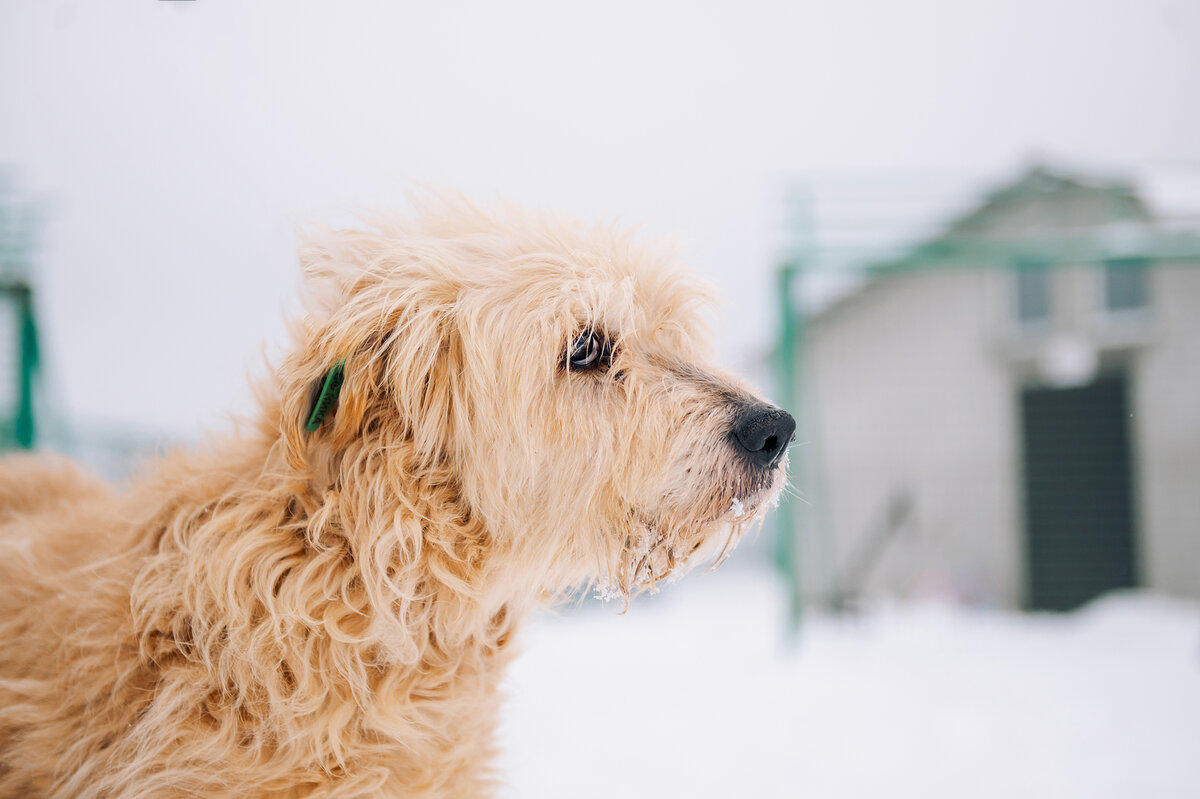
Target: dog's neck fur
x=374 y=603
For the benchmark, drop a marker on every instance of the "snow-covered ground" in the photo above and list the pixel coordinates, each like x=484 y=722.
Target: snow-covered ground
x=693 y=694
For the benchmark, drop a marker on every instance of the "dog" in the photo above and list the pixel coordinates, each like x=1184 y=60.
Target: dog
x=485 y=409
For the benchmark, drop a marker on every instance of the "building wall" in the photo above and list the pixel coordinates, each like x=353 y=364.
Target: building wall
x=1166 y=408
x=915 y=381
x=911 y=396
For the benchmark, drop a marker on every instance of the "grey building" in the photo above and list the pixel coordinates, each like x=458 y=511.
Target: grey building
x=1011 y=413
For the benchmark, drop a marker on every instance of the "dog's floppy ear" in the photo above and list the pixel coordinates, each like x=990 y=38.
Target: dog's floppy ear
x=384 y=376
x=321 y=390
x=376 y=353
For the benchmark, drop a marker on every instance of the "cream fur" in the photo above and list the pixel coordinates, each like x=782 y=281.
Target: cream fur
x=291 y=614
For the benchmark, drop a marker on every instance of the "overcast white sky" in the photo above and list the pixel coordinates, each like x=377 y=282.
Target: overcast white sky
x=176 y=145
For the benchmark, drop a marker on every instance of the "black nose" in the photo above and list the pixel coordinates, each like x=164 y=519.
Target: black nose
x=762 y=434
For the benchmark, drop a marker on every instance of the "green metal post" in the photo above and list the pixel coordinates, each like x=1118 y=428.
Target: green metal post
x=25 y=429
x=786 y=544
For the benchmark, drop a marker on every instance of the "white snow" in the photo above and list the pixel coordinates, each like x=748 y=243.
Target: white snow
x=694 y=694
x=607 y=593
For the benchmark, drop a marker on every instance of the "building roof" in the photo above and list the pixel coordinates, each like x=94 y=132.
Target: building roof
x=1045 y=216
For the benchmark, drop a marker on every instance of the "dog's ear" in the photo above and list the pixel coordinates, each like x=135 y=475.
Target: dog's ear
x=385 y=377
x=390 y=326
x=322 y=389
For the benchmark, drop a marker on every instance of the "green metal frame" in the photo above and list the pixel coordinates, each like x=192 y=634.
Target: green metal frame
x=23 y=431
x=26 y=429
x=17 y=222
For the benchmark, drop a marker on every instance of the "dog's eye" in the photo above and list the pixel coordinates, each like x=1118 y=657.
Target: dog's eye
x=589 y=351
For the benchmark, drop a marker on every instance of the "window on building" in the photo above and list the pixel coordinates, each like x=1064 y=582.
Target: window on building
x=1125 y=284
x=1033 y=292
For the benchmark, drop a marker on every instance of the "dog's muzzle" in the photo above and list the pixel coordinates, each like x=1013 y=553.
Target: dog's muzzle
x=761 y=434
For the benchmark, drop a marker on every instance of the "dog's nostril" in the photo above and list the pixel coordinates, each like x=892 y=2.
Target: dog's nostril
x=761 y=434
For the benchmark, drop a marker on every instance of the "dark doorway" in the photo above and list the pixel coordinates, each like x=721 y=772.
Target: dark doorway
x=1079 y=536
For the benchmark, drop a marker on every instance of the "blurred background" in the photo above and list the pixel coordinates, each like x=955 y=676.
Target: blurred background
x=960 y=241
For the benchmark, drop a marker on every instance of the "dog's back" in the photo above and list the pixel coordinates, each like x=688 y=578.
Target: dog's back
x=45 y=502
x=48 y=538
x=34 y=484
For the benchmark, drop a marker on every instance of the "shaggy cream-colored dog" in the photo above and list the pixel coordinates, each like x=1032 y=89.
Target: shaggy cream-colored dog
x=524 y=409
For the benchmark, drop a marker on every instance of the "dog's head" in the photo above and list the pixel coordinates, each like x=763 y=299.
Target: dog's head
x=549 y=378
